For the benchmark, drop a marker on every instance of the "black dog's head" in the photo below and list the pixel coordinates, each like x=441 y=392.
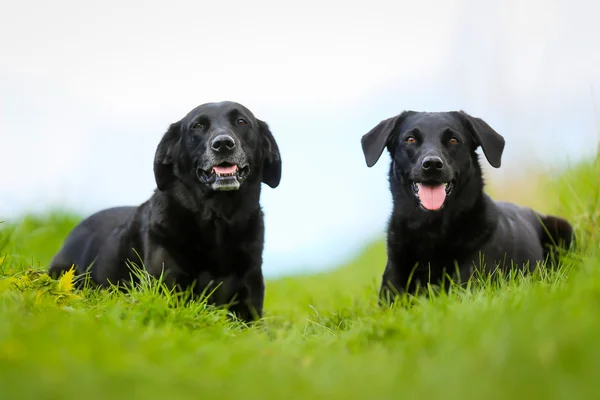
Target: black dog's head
x=218 y=146
x=433 y=153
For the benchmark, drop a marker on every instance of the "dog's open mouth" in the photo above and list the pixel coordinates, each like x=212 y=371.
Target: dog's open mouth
x=432 y=196
x=223 y=177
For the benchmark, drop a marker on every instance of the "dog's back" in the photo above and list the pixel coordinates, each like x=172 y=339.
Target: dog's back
x=517 y=234
x=85 y=241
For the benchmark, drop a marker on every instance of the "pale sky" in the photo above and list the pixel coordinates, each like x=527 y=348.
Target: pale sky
x=88 y=88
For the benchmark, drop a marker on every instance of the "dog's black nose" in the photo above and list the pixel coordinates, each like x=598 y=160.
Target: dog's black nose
x=222 y=143
x=432 y=163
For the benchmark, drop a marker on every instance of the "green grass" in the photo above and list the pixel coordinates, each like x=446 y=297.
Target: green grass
x=323 y=337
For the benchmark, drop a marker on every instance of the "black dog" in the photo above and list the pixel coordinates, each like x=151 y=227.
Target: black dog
x=443 y=224
x=203 y=225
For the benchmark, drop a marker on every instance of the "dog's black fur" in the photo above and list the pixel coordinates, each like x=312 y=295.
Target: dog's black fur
x=470 y=232
x=200 y=227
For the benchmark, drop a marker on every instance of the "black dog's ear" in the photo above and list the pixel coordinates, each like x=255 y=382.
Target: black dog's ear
x=374 y=141
x=490 y=141
x=272 y=158
x=165 y=155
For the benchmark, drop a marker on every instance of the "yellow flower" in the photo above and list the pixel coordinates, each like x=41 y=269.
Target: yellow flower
x=38 y=297
x=7 y=284
x=65 y=283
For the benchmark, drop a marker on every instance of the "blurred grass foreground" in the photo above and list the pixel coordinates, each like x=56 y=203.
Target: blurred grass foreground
x=324 y=335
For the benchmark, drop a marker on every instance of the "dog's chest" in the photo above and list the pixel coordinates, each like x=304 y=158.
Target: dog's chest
x=218 y=250
x=436 y=260
x=210 y=256
x=430 y=257
x=216 y=269
x=218 y=289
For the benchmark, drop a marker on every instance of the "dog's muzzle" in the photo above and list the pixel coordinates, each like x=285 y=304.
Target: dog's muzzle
x=224 y=176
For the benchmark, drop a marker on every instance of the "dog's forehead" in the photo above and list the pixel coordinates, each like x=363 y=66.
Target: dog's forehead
x=432 y=122
x=218 y=109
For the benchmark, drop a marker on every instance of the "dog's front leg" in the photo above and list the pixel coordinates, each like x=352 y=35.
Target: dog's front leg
x=394 y=282
x=400 y=275
x=389 y=285
x=158 y=262
x=248 y=304
x=243 y=294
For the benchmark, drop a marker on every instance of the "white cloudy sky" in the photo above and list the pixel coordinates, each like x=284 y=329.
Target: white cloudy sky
x=88 y=88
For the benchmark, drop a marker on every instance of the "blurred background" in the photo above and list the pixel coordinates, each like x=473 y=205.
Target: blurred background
x=88 y=89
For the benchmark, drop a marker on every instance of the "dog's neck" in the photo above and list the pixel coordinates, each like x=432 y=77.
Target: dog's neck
x=186 y=205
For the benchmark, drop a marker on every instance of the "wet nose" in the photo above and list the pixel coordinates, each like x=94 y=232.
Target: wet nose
x=222 y=143
x=432 y=163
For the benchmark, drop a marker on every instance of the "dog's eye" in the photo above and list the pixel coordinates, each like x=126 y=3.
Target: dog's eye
x=453 y=140
x=242 y=122
x=411 y=139
x=198 y=125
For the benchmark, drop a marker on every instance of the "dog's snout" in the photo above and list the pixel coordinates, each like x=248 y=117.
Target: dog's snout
x=432 y=163
x=223 y=143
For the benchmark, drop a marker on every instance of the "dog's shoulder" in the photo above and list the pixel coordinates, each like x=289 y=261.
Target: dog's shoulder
x=516 y=218
x=511 y=210
x=522 y=221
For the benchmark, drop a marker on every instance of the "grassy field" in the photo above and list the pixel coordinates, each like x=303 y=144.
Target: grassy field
x=324 y=336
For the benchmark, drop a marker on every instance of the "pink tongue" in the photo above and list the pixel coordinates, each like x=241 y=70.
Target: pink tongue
x=225 y=170
x=432 y=197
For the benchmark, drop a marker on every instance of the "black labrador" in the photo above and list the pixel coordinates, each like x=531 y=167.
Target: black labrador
x=443 y=225
x=203 y=226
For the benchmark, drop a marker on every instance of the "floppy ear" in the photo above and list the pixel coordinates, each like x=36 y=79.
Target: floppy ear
x=166 y=152
x=271 y=174
x=490 y=141
x=374 y=141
